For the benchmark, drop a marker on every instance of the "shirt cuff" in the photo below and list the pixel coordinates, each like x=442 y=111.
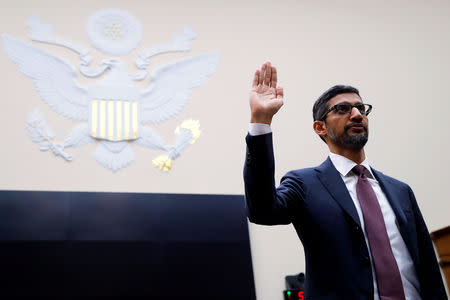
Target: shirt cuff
x=258 y=129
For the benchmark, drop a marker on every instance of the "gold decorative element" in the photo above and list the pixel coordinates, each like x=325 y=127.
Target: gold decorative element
x=111 y=120
x=163 y=162
x=113 y=31
x=193 y=126
x=126 y=113
x=114 y=120
x=119 y=119
x=134 y=111
x=102 y=119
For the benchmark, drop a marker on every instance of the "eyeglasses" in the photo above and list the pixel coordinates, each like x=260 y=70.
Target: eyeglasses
x=346 y=108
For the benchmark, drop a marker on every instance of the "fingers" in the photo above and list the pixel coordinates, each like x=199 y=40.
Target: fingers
x=274 y=77
x=261 y=74
x=256 y=78
x=268 y=75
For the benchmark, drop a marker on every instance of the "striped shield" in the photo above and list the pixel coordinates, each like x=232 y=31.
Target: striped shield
x=114 y=120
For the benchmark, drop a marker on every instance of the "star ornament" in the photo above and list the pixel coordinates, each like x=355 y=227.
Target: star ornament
x=114 y=31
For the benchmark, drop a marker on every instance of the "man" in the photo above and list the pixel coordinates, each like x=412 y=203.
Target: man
x=362 y=231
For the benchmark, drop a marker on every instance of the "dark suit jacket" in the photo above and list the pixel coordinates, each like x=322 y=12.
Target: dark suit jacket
x=316 y=201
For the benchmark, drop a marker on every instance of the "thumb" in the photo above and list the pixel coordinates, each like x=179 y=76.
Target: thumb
x=280 y=92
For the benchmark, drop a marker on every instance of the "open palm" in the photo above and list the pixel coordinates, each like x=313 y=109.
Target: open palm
x=265 y=97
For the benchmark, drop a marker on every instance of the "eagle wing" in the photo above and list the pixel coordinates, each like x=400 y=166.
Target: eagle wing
x=55 y=79
x=171 y=86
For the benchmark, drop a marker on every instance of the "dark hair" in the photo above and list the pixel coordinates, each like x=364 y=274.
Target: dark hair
x=321 y=104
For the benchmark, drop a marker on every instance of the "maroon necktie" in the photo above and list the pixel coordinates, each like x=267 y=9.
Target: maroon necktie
x=389 y=282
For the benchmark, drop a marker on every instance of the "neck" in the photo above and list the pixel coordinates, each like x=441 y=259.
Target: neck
x=358 y=156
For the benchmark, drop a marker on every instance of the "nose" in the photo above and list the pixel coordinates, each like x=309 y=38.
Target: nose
x=355 y=114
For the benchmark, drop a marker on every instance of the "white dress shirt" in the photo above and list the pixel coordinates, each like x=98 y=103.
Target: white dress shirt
x=401 y=253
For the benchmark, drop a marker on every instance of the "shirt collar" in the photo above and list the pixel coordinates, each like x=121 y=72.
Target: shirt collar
x=345 y=165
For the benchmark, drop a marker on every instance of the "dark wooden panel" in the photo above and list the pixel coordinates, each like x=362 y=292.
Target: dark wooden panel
x=71 y=245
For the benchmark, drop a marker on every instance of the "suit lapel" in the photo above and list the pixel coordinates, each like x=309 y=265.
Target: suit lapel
x=389 y=192
x=405 y=230
x=332 y=181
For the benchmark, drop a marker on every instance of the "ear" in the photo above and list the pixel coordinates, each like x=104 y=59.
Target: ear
x=320 y=128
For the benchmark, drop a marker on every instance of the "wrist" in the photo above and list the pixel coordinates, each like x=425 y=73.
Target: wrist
x=261 y=120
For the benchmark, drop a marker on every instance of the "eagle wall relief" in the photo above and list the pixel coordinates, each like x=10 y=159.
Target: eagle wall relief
x=113 y=110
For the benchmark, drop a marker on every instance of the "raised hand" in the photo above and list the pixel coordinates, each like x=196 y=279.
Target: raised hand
x=265 y=97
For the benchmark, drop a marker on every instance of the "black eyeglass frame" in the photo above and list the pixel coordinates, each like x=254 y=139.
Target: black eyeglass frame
x=334 y=107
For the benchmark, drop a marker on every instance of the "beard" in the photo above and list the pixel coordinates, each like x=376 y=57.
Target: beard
x=354 y=142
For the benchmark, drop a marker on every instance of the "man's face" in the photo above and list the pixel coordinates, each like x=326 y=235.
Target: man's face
x=350 y=130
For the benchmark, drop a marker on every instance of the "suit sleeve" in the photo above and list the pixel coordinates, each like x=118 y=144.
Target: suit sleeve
x=266 y=204
x=431 y=284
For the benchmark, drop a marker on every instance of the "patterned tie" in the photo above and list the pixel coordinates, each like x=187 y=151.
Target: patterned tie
x=389 y=282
